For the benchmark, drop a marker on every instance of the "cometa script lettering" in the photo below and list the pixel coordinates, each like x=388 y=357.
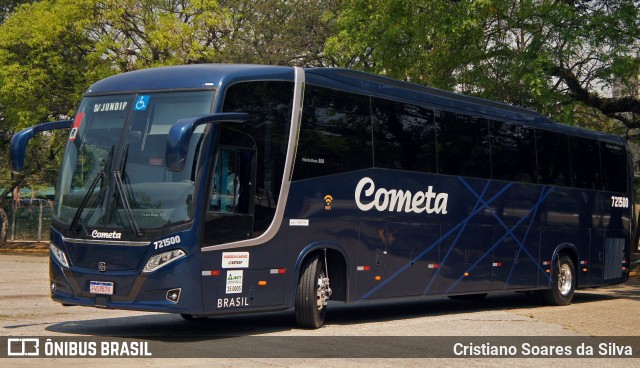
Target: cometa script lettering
x=105 y=235
x=382 y=199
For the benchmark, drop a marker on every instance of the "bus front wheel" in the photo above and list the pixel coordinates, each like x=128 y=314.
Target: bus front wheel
x=312 y=293
x=563 y=284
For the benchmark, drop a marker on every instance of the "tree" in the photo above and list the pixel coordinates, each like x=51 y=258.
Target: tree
x=42 y=53
x=562 y=58
x=279 y=32
x=134 y=34
x=8 y=6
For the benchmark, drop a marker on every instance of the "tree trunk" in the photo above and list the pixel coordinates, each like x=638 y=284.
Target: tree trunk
x=4 y=218
x=16 y=195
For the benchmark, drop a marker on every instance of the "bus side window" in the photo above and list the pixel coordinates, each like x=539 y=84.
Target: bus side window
x=585 y=164
x=269 y=104
x=404 y=136
x=554 y=167
x=335 y=134
x=513 y=152
x=463 y=145
x=614 y=167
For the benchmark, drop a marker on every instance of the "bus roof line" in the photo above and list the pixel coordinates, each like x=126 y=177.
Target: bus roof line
x=423 y=90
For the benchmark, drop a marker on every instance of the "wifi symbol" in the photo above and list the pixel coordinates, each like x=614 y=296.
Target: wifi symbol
x=328 y=199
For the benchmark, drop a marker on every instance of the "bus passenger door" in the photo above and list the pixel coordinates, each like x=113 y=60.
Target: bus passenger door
x=231 y=196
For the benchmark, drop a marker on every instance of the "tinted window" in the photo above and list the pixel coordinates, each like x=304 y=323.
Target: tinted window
x=513 y=152
x=269 y=108
x=335 y=134
x=553 y=158
x=463 y=145
x=585 y=163
x=404 y=136
x=614 y=167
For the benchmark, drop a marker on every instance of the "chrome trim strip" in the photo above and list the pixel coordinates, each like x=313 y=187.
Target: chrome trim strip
x=296 y=116
x=106 y=242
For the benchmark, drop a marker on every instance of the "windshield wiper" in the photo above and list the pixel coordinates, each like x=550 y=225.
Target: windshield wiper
x=121 y=191
x=100 y=177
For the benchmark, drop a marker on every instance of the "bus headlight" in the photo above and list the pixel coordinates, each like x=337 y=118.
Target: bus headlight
x=59 y=255
x=162 y=259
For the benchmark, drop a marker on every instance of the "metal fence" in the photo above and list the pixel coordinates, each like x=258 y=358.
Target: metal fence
x=29 y=220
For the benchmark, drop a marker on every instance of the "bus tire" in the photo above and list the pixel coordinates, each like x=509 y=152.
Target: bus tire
x=563 y=283
x=312 y=293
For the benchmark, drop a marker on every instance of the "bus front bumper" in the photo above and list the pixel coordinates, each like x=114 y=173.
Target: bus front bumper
x=173 y=289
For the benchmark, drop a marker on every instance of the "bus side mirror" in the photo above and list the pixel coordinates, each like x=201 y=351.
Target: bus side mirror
x=19 y=141
x=181 y=131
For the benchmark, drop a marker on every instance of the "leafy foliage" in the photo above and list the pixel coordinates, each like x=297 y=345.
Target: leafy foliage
x=562 y=58
x=8 y=6
x=279 y=32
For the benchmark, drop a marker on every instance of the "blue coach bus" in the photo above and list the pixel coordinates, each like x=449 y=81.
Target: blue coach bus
x=217 y=189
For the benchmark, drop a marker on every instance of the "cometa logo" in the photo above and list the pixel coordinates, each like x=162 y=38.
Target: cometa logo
x=105 y=235
x=367 y=197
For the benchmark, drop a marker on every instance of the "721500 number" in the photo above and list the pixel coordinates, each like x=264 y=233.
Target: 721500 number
x=620 y=202
x=166 y=242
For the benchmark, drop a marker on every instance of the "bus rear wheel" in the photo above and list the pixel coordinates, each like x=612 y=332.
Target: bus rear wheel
x=312 y=293
x=563 y=284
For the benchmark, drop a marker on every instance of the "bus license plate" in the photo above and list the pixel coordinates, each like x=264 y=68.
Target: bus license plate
x=101 y=287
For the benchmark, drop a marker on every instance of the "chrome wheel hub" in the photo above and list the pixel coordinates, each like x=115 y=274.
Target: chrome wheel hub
x=565 y=279
x=324 y=291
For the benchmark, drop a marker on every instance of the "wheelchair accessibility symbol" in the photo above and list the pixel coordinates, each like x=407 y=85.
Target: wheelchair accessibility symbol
x=142 y=102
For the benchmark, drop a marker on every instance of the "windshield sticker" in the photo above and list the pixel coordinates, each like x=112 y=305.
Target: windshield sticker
x=76 y=126
x=142 y=102
x=110 y=106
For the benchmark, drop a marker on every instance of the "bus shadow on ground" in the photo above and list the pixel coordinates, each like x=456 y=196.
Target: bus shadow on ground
x=442 y=306
x=172 y=327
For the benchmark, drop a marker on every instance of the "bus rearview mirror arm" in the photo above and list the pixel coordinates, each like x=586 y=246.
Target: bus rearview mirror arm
x=181 y=131
x=20 y=140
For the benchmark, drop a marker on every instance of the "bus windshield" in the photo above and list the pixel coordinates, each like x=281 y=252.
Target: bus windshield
x=113 y=171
